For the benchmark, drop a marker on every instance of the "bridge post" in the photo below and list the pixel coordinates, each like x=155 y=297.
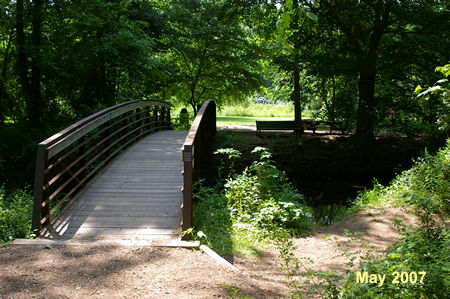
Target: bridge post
x=187 y=187
x=40 y=195
x=155 y=118
x=168 y=118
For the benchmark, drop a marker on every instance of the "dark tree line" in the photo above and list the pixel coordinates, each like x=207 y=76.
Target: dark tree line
x=61 y=60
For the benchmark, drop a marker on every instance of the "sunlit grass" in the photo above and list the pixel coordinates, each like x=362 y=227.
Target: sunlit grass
x=257 y=110
x=248 y=113
x=243 y=120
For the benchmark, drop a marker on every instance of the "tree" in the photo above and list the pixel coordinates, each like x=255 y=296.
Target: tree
x=295 y=27
x=368 y=36
x=211 y=52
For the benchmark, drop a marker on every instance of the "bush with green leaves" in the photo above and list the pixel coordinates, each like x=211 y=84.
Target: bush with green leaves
x=428 y=178
x=263 y=195
x=15 y=214
x=250 y=206
x=425 y=249
x=182 y=121
x=425 y=259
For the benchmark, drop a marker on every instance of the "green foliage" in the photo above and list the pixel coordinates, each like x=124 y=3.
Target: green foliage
x=182 y=121
x=250 y=209
x=212 y=217
x=235 y=293
x=257 y=110
x=416 y=252
x=263 y=195
x=212 y=52
x=226 y=138
x=426 y=188
x=302 y=280
x=437 y=98
x=428 y=178
x=15 y=214
x=422 y=253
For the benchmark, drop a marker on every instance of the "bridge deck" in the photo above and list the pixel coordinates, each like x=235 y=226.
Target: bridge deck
x=137 y=197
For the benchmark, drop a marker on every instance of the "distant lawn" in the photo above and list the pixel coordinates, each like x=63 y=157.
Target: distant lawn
x=247 y=114
x=245 y=120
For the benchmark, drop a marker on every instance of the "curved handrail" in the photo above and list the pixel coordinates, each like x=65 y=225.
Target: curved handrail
x=70 y=158
x=194 y=149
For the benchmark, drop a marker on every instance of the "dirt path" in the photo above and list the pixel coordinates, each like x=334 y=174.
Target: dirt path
x=112 y=272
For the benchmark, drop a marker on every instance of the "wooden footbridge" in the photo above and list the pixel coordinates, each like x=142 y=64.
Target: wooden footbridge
x=120 y=174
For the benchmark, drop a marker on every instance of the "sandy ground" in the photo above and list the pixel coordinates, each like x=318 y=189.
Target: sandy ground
x=150 y=272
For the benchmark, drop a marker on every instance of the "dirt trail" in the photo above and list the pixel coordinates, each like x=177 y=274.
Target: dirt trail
x=112 y=272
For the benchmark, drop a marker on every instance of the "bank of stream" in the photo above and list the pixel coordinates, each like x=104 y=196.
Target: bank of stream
x=326 y=168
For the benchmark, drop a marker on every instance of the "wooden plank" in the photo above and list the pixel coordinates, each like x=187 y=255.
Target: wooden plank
x=155 y=243
x=138 y=194
x=81 y=223
x=148 y=214
x=116 y=198
x=92 y=231
x=129 y=206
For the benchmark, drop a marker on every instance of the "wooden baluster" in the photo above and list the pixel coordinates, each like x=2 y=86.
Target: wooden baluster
x=187 y=187
x=147 y=119
x=40 y=195
x=163 y=117
x=124 y=123
x=169 y=125
x=141 y=122
x=107 y=134
x=155 y=118
x=81 y=151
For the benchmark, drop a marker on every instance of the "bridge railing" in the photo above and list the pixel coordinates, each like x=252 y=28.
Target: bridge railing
x=67 y=160
x=194 y=150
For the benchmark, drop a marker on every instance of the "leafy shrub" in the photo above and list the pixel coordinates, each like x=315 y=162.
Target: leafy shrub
x=15 y=214
x=416 y=252
x=426 y=188
x=251 y=206
x=428 y=178
x=263 y=195
x=182 y=121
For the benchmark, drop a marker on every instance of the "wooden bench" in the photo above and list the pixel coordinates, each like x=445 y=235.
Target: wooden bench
x=275 y=125
x=336 y=126
x=313 y=125
x=308 y=124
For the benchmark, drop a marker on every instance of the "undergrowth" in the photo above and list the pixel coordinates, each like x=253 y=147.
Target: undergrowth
x=15 y=214
x=417 y=266
x=259 y=206
x=245 y=211
x=425 y=188
x=428 y=178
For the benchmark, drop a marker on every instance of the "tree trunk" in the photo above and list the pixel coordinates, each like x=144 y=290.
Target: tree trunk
x=365 y=118
x=22 y=55
x=36 y=105
x=4 y=68
x=295 y=96
x=364 y=138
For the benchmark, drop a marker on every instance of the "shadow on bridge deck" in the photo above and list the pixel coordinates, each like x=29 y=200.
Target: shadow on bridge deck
x=136 y=198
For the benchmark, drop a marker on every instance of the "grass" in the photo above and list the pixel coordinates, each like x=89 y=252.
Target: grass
x=245 y=120
x=247 y=113
x=257 y=110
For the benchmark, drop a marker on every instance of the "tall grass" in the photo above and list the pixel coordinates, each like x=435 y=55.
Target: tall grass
x=423 y=250
x=428 y=178
x=258 y=110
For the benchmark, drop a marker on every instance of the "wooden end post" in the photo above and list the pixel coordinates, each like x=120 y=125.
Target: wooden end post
x=187 y=187
x=40 y=180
